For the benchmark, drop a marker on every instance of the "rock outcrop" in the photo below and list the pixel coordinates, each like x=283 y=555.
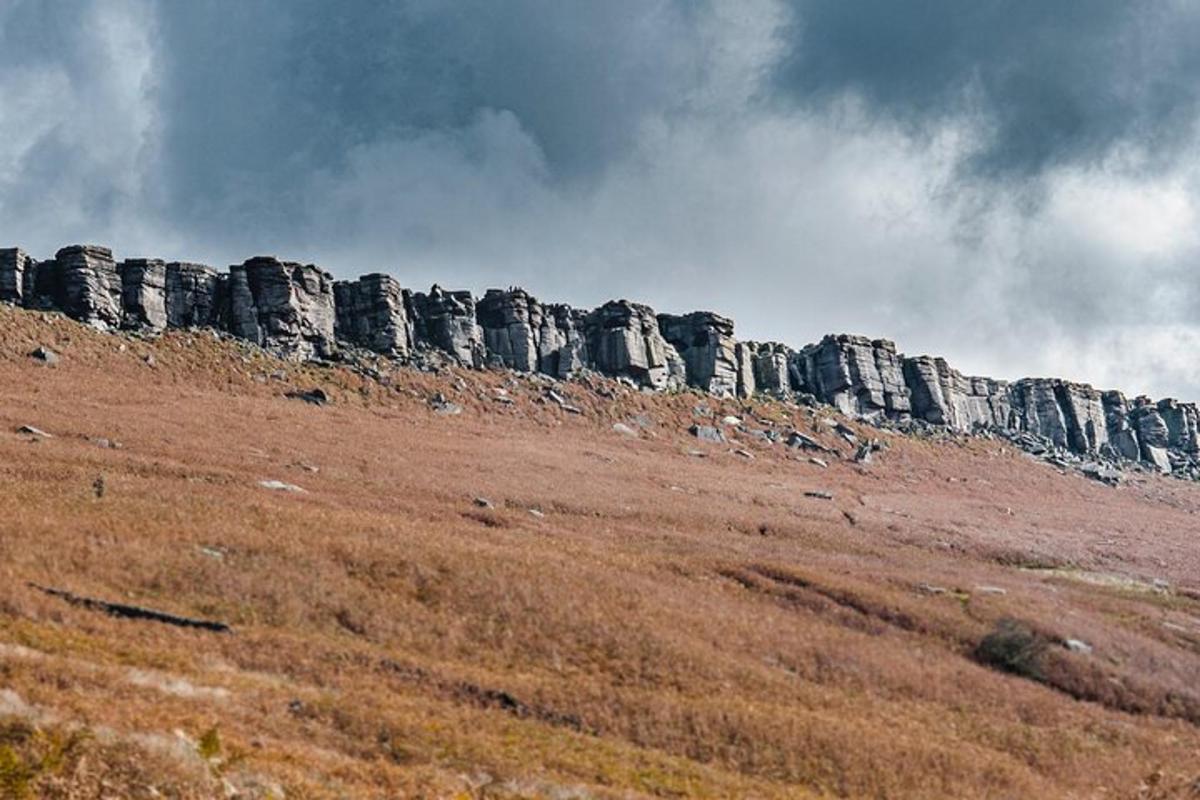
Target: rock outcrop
x=83 y=283
x=446 y=321
x=562 y=341
x=285 y=307
x=623 y=340
x=196 y=296
x=144 y=294
x=371 y=313
x=298 y=311
x=511 y=322
x=859 y=376
x=705 y=342
x=14 y=264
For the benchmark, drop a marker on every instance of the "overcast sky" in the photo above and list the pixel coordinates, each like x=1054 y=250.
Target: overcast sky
x=1013 y=185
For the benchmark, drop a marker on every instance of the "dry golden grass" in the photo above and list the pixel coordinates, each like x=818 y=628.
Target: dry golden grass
x=668 y=625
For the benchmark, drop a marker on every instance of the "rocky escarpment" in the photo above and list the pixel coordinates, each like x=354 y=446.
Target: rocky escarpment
x=298 y=311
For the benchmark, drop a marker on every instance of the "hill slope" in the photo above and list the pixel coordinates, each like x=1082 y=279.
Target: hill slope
x=518 y=600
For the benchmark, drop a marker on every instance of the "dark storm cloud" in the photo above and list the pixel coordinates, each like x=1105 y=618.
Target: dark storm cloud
x=1049 y=83
x=255 y=95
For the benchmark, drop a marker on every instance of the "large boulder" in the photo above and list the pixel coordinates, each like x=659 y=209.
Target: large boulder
x=83 y=283
x=196 y=295
x=562 y=341
x=446 y=321
x=511 y=322
x=371 y=313
x=859 y=376
x=14 y=264
x=705 y=342
x=623 y=339
x=144 y=293
x=286 y=307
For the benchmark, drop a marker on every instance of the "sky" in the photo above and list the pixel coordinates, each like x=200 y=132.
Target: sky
x=1012 y=185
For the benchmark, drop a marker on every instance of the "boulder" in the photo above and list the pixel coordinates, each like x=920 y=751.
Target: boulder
x=857 y=375
x=446 y=320
x=511 y=322
x=371 y=313
x=143 y=293
x=624 y=340
x=83 y=283
x=562 y=341
x=14 y=264
x=285 y=307
x=196 y=295
x=705 y=342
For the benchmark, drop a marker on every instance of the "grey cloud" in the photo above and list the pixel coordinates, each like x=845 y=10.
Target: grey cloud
x=1047 y=83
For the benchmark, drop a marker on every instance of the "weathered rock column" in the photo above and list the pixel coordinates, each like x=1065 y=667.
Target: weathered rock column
x=14 y=263
x=859 y=376
x=144 y=293
x=511 y=321
x=196 y=295
x=446 y=320
x=371 y=314
x=624 y=340
x=287 y=308
x=85 y=285
x=705 y=341
x=562 y=342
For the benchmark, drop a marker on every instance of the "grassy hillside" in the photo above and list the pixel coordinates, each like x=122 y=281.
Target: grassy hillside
x=520 y=601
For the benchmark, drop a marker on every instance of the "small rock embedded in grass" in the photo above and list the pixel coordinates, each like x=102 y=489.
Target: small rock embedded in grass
x=996 y=590
x=280 y=486
x=820 y=463
x=98 y=486
x=746 y=454
x=707 y=433
x=441 y=405
x=819 y=495
x=1077 y=646
x=44 y=355
x=537 y=513
x=32 y=431
x=316 y=397
x=624 y=430
x=731 y=420
x=483 y=502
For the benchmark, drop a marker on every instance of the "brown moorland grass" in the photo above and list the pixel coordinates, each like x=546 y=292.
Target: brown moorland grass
x=675 y=620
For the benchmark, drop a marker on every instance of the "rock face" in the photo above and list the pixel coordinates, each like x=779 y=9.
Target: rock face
x=83 y=283
x=283 y=306
x=941 y=395
x=14 y=264
x=562 y=341
x=1070 y=415
x=144 y=294
x=371 y=313
x=196 y=295
x=771 y=364
x=511 y=322
x=705 y=342
x=857 y=375
x=746 y=386
x=446 y=320
x=623 y=339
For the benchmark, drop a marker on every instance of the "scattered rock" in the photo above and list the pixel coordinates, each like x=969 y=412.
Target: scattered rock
x=32 y=431
x=441 y=405
x=746 y=454
x=316 y=396
x=624 y=430
x=483 y=502
x=707 y=433
x=98 y=486
x=819 y=495
x=45 y=355
x=731 y=420
x=818 y=462
x=1077 y=646
x=926 y=588
x=280 y=486
x=996 y=590
x=537 y=513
